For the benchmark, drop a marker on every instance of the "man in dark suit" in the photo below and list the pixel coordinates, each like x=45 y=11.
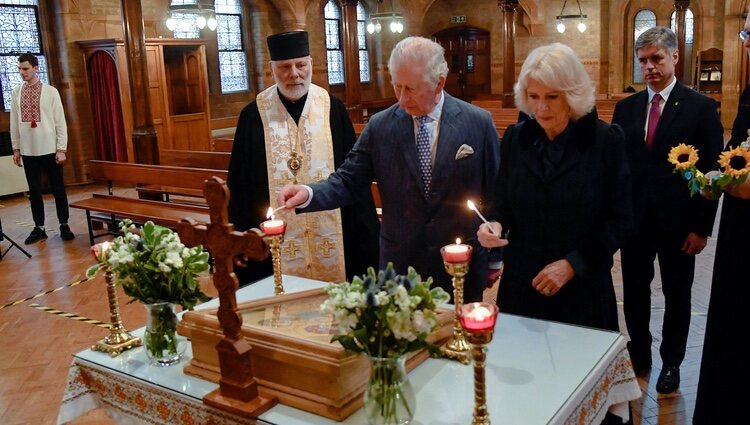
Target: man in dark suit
x=670 y=224
x=429 y=153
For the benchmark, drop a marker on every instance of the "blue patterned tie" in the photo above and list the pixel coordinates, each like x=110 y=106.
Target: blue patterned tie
x=425 y=154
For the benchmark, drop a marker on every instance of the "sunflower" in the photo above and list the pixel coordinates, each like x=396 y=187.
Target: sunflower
x=735 y=162
x=683 y=156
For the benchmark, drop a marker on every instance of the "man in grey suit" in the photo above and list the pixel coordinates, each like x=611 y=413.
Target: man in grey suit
x=429 y=153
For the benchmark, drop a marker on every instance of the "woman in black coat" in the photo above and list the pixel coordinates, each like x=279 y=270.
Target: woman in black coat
x=562 y=197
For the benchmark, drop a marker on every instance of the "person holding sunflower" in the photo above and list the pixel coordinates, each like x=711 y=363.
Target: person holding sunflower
x=669 y=224
x=720 y=398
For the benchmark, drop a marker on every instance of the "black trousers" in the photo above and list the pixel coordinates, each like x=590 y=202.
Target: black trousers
x=34 y=166
x=677 y=270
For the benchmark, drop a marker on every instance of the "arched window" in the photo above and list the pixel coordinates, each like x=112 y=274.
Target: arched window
x=644 y=20
x=232 y=59
x=686 y=57
x=20 y=33
x=335 y=57
x=364 y=58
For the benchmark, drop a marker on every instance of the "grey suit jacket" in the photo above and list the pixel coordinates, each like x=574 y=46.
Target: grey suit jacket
x=414 y=229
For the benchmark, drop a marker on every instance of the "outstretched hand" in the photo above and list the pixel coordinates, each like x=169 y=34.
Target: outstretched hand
x=292 y=195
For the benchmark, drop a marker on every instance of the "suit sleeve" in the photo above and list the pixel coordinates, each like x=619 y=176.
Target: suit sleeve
x=710 y=142
x=349 y=182
x=615 y=220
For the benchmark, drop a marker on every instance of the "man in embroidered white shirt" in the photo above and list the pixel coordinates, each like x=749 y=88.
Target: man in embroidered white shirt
x=39 y=136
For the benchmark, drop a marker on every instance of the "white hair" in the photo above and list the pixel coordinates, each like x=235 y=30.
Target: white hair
x=558 y=67
x=421 y=51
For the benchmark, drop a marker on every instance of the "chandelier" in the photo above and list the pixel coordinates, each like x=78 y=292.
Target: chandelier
x=184 y=13
x=580 y=17
x=377 y=20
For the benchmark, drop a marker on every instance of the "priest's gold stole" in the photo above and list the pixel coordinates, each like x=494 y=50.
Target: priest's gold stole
x=292 y=356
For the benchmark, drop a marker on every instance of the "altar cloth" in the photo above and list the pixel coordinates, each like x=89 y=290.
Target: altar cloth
x=538 y=372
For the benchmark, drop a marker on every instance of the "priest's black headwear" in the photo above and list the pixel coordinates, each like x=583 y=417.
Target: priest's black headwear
x=288 y=45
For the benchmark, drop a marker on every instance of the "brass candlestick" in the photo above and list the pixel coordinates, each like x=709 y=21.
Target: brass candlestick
x=457 y=348
x=119 y=338
x=274 y=242
x=479 y=341
x=478 y=319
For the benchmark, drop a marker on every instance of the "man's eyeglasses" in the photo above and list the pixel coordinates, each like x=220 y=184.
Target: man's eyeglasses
x=744 y=34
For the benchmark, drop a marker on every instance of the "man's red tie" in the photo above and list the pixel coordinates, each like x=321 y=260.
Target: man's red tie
x=653 y=120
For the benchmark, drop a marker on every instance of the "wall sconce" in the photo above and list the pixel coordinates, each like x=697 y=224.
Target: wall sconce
x=204 y=15
x=580 y=17
x=378 y=20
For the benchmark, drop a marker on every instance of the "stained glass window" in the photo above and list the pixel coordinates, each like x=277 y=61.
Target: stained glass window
x=186 y=27
x=335 y=57
x=644 y=20
x=19 y=33
x=232 y=58
x=687 y=56
x=364 y=58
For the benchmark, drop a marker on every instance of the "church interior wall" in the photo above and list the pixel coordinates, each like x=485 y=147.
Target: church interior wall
x=606 y=47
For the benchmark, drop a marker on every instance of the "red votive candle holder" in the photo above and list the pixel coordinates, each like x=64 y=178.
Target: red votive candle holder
x=456 y=253
x=99 y=251
x=273 y=227
x=478 y=317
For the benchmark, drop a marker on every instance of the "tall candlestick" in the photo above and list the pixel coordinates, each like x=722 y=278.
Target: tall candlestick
x=119 y=339
x=456 y=258
x=478 y=319
x=274 y=230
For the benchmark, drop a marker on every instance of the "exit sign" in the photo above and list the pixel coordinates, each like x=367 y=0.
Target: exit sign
x=458 y=19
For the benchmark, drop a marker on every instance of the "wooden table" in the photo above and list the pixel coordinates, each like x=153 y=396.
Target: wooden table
x=538 y=372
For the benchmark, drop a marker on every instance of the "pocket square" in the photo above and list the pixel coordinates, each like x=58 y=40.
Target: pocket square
x=464 y=151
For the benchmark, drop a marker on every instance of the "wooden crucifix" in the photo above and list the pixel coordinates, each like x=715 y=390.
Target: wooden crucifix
x=238 y=390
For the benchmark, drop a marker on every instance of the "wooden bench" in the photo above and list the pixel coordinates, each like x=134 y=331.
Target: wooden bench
x=195 y=159
x=109 y=208
x=222 y=144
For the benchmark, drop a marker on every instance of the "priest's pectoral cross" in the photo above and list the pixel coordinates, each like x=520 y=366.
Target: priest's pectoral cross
x=238 y=390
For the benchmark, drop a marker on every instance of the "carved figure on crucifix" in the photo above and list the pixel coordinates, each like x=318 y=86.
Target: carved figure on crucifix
x=238 y=390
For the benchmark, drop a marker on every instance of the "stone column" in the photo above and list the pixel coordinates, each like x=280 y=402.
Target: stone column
x=145 y=144
x=350 y=48
x=680 y=7
x=509 y=55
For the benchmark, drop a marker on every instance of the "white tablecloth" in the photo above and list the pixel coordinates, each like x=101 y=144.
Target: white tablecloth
x=538 y=372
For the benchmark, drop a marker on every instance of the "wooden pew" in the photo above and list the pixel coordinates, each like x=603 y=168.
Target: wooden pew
x=195 y=159
x=110 y=209
x=222 y=144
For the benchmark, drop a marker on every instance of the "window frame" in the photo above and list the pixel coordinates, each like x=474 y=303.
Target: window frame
x=242 y=50
x=365 y=49
x=43 y=72
x=339 y=36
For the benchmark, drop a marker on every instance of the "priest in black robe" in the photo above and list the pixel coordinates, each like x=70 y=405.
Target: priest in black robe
x=293 y=154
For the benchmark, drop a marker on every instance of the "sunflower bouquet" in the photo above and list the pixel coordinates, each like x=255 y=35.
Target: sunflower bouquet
x=734 y=163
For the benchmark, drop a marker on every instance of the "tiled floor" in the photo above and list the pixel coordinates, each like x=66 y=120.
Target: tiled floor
x=35 y=347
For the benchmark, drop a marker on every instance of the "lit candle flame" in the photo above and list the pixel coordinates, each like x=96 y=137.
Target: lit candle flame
x=474 y=208
x=481 y=313
x=272 y=212
x=458 y=241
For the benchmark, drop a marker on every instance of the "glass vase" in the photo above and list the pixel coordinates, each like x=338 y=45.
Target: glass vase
x=163 y=345
x=389 y=396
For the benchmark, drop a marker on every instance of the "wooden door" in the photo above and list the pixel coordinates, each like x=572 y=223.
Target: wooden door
x=467 y=51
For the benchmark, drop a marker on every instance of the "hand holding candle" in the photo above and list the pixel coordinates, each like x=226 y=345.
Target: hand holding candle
x=273 y=227
x=456 y=253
